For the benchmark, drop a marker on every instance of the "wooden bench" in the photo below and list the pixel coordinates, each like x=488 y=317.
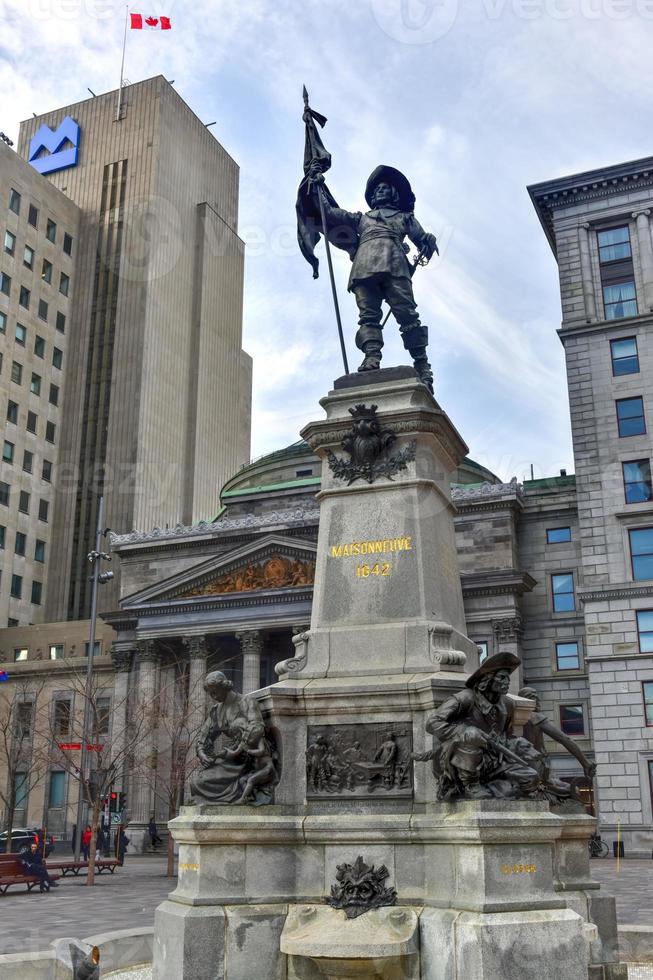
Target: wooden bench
x=74 y=867
x=12 y=872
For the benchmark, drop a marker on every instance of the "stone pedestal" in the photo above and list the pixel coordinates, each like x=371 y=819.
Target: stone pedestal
x=485 y=883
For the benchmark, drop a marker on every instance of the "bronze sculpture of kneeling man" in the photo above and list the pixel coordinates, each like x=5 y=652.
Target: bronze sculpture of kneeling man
x=476 y=756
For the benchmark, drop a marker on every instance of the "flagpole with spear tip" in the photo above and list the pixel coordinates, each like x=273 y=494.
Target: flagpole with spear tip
x=326 y=242
x=122 y=65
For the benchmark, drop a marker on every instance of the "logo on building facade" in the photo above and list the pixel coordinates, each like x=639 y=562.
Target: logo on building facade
x=61 y=144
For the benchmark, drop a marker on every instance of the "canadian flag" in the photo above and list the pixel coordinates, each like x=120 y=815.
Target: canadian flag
x=138 y=22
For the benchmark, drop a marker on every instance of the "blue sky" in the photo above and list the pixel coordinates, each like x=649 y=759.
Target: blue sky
x=472 y=99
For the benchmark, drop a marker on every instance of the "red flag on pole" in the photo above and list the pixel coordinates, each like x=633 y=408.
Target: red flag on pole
x=139 y=22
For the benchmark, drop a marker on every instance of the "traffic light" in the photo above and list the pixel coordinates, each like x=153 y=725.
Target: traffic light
x=113 y=802
x=122 y=802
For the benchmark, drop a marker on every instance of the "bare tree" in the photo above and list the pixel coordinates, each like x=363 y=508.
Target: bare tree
x=107 y=760
x=180 y=713
x=21 y=759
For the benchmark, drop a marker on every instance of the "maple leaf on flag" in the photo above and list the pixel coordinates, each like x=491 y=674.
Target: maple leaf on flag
x=151 y=21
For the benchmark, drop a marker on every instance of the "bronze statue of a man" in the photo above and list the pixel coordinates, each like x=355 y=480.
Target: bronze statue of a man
x=476 y=755
x=380 y=268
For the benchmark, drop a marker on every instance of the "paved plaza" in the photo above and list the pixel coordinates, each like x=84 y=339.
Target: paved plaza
x=127 y=899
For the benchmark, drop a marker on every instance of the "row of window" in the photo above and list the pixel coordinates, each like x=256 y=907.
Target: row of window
x=57 y=651
x=617 y=273
x=23 y=501
x=16 y=590
x=29 y=255
x=21 y=334
x=20 y=544
x=15 y=203
x=35 y=382
x=50 y=427
x=567 y=653
x=9 y=452
x=25 y=294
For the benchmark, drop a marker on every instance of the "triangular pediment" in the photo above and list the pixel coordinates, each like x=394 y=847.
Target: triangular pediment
x=270 y=563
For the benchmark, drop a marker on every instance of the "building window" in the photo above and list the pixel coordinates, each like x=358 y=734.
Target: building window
x=51 y=231
x=8 y=452
x=57 y=357
x=37 y=592
x=20 y=653
x=10 y=243
x=572 y=719
x=46 y=472
x=562 y=587
x=22 y=790
x=24 y=713
x=64 y=284
x=57 y=794
x=67 y=243
x=630 y=416
x=3 y=322
x=647 y=692
x=617 y=276
x=24 y=297
x=44 y=506
x=61 y=714
x=625 y=359
x=5 y=283
x=49 y=431
x=97 y=648
x=637 y=481
x=46 y=271
x=33 y=216
x=11 y=622
x=14 y=201
x=32 y=419
x=35 y=384
x=28 y=461
x=483 y=649
x=3 y=535
x=557 y=535
x=43 y=310
x=28 y=257
x=23 y=502
x=12 y=412
x=39 y=346
x=5 y=490
x=21 y=541
x=17 y=586
x=645 y=630
x=39 y=550
x=54 y=395
x=102 y=717
x=21 y=334
x=61 y=322
x=641 y=553
x=57 y=651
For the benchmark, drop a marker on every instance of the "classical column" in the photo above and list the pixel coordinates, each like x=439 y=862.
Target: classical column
x=508 y=638
x=197 y=656
x=586 y=272
x=145 y=709
x=251 y=644
x=122 y=657
x=645 y=254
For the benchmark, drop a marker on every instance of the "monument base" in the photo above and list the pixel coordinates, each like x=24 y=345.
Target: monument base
x=497 y=890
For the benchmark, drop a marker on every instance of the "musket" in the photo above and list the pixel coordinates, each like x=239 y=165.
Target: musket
x=500 y=747
x=420 y=259
x=326 y=241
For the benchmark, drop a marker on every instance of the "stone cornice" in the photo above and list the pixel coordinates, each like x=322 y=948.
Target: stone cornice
x=619 y=592
x=243 y=600
x=505 y=582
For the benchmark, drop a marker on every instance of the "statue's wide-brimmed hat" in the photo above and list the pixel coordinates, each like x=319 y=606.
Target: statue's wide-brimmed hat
x=390 y=175
x=499 y=661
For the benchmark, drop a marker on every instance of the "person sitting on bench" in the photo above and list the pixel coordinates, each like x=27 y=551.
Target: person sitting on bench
x=35 y=865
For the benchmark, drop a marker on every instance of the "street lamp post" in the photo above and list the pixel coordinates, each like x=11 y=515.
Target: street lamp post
x=98 y=578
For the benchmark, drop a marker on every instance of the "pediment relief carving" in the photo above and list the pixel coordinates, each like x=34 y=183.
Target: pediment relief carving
x=274 y=572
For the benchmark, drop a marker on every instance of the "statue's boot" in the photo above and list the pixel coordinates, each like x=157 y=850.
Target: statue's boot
x=474 y=791
x=372 y=359
x=422 y=366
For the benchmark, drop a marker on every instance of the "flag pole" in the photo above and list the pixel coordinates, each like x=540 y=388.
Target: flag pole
x=328 y=247
x=122 y=65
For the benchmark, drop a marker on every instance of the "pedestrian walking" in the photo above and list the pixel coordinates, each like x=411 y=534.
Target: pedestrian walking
x=154 y=836
x=86 y=842
x=123 y=844
x=34 y=864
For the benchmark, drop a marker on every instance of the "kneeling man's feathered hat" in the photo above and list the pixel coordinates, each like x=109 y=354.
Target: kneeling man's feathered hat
x=499 y=661
x=389 y=175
